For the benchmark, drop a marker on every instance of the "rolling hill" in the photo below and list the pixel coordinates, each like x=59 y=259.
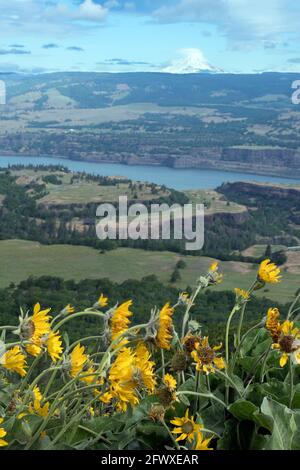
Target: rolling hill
x=220 y=121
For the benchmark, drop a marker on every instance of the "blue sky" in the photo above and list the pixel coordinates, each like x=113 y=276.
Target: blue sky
x=176 y=36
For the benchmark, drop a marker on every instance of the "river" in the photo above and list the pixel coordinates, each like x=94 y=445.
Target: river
x=179 y=179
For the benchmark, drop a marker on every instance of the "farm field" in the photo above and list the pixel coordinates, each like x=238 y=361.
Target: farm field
x=21 y=259
x=82 y=191
x=214 y=202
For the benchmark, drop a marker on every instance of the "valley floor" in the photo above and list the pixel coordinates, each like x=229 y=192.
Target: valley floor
x=21 y=259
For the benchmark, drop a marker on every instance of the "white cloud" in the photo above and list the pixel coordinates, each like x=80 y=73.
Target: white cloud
x=189 y=61
x=56 y=17
x=90 y=11
x=239 y=20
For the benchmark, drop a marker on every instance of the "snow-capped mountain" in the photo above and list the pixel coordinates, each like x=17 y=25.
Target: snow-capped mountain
x=190 y=61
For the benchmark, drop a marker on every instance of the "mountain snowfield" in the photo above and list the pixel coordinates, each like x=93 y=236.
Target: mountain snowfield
x=190 y=60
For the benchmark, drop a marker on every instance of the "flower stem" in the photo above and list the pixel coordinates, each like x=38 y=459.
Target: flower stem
x=204 y=395
x=291 y=309
x=255 y=327
x=291 y=383
x=170 y=434
x=77 y=315
x=187 y=312
x=8 y=327
x=263 y=367
x=228 y=324
x=240 y=326
x=209 y=389
x=228 y=379
x=30 y=370
x=163 y=362
x=197 y=383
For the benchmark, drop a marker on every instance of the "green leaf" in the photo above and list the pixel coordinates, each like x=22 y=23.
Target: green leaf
x=296 y=437
x=154 y=435
x=189 y=385
x=276 y=390
x=243 y=409
x=229 y=438
x=104 y=424
x=237 y=382
x=213 y=417
x=296 y=399
x=247 y=363
x=44 y=443
x=263 y=421
x=283 y=426
x=184 y=399
x=259 y=442
x=253 y=343
x=262 y=347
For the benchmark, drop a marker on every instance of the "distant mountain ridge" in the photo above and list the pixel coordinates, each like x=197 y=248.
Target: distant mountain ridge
x=205 y=120
x=91 y=89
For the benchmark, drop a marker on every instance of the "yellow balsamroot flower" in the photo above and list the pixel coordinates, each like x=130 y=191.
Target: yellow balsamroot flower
x=273 y=324
x=3 y=433
x=240 y=293
x=268 y=272
x=14 y=360
x=130 y=372
x=80 y=364
x=36 y=407
x=33 y=349
x=170 y=382
x=102 y=301
x=143 y=373
x=122 y=388
x=206 y=358
x=214 y=267
x=120 y=320
x=167 y=393
x=202 y=443
x=54 y=346
x=89 y=379
x=69 y=309
x=189 y=342
x=165 y=327
x=214 y=276
x=106 y=398
x=41 y=321
x=52 y=342
x=288 y=343
x=34 y=328
x=184 y=298
x=78 y=359
x=186 y=427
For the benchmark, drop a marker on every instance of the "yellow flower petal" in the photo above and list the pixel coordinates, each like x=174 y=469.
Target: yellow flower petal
x=283 y=360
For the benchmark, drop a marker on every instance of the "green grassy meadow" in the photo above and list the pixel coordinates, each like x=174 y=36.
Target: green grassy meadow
x=21 y=259
x=82 y=191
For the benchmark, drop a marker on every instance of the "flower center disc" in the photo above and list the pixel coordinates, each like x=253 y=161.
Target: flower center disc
x=286 y=344
x=188 y=427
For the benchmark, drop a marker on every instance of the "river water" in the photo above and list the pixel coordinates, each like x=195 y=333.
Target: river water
x=179 y=179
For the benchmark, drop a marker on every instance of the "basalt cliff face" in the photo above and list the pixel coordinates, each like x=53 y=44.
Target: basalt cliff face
x=235 y=219
x=264 y=161
x=275 y=205
x=253 y=192
x=276 y=162
x=285 y=162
